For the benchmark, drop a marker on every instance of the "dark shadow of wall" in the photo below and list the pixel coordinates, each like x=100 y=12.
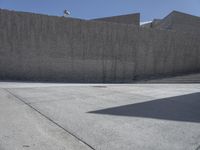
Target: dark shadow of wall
x=178 y=108
x=47 y=48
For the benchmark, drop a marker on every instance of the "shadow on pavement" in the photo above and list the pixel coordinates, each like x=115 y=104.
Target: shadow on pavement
x=179 y=108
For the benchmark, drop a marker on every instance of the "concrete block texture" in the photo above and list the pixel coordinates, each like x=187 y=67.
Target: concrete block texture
x=125 y=19
x=180 y=22
x=48 y=48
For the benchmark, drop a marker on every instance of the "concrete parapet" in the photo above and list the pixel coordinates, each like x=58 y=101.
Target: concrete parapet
x=179 y=21
x=125 y=19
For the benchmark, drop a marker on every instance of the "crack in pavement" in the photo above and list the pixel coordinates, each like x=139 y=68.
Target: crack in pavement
x=29 y=105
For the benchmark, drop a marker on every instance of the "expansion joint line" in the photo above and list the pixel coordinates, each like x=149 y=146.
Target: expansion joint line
x=29 y=105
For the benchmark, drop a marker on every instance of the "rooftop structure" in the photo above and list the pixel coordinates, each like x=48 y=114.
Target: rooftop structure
x=133 y=19
x=178 y=21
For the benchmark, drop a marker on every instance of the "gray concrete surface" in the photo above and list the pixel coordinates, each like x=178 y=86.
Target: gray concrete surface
x=42 y=116
x=21 y=128
x=190 y=78
x=40 y=47
x=179 y=21
x=133 y=19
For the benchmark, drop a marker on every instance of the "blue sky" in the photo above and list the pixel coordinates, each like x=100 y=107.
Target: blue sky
x=87 y=9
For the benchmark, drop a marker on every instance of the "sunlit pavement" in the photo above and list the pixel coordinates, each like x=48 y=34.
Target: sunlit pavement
x=54 y=116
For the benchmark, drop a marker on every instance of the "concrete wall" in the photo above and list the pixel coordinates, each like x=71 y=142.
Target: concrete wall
x=161 y=52
x=39 y=47
x=180 y=22
x=125 y=19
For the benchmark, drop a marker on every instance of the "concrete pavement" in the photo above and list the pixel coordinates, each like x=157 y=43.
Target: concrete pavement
x=41 y=116
x=21 y=127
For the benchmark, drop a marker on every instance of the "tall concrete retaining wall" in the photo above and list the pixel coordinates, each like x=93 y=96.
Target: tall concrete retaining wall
x=39 y=47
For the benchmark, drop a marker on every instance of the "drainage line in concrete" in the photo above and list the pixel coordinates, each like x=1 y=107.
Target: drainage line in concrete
x=28 y=104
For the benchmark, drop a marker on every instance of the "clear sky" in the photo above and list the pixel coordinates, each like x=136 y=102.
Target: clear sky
x=87 y=9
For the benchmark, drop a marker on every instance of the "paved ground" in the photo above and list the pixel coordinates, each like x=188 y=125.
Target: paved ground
x=43 y=116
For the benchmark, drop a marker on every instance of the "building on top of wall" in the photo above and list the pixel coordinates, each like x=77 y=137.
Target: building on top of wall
x=133 y=19
x=177 y=21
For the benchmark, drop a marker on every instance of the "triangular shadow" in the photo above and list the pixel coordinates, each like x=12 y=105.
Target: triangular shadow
x=179 y=108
